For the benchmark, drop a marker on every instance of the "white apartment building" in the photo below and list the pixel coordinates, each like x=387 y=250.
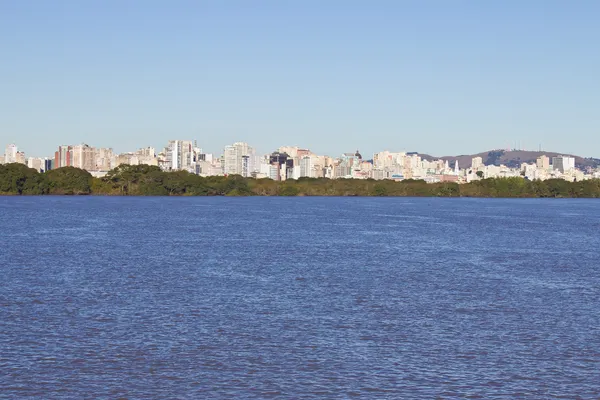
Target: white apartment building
x=306 y=167
x=104 y=159
x=10 y=154
x=179 y=155
x=39 y=164
x=239 y=159
x=476 y=163
x=386 y=159
x=84 y=157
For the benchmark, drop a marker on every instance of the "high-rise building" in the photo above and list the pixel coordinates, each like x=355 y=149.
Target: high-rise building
x=239 y=159
x=275 y=172
x=284 y=163
x=347 y=164
x=63 y=157
x=39 y=164
x=476 y=162
x=10 y=154
x=179 y=155
x=543 y=162
x=103 y=159
x=174 y=154
x=306 y=167
x=20 y=158
x=563 y=163
x=147 y=151
x=279 y=158
x=187 y=154
x=291 y=151
x=84 y=157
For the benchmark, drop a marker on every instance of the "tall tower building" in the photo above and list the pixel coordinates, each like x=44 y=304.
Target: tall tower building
x=306 y=167
x=179 y=155
x=543 y=162
x=84 y=157
x=563 y=163
x=63 y=157
x=239 y=159
x=10 y=154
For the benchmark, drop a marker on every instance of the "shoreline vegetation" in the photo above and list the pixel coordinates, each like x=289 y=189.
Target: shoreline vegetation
x=146 y=180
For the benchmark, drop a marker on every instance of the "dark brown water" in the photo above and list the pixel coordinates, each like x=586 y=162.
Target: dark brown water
x=303 y=298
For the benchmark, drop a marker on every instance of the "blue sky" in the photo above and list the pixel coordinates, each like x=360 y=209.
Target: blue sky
x=442 y=77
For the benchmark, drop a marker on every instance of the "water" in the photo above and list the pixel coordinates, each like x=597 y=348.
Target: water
x=299 y=298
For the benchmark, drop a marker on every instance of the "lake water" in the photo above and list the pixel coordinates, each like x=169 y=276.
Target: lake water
x=300 y=298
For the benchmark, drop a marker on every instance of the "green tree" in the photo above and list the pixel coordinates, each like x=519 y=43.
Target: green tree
x=558 y=187
x=380 y=190
x=19 y=179
x=176 y=183
x=289 y=189
x=127 y=178
x=69 y=180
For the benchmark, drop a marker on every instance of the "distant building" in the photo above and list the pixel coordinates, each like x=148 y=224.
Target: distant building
x=275 y=172
x=179 y=155
x=282 y=166
x=543 y=162
x=10 y=154
x=476 y=162
x=39 y=164
x=348 y=164
x=239 y=159
x=20 y=158
x=563 y=164
x=63 y=157
x=306 y=167
x=104 y=159
x=34 y=163
x=84 y=157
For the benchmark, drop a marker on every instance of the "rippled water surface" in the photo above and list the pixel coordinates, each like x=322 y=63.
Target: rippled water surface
x=300 y=298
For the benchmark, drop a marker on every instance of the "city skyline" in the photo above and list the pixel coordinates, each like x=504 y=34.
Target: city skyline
x=293 y=162
x=514 y=146
x=341 y=147
x=426 y=76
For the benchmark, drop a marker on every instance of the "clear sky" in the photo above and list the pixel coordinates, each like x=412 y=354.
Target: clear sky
x=442 y=77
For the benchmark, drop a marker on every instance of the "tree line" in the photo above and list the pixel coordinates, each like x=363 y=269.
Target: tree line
x=146 y=180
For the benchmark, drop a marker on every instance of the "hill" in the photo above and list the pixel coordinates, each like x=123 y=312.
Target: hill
x=512 y=158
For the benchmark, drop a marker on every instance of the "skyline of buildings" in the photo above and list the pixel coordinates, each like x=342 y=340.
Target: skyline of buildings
x=293 y=162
